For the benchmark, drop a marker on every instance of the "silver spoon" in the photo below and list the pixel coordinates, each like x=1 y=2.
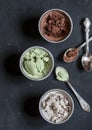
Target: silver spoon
x=62 y=75
x=71 y=58
x=87 y=58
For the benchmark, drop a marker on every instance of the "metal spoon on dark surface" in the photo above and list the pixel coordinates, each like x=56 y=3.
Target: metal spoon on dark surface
x=71 y=54
x=62 y=75
x=87 y=58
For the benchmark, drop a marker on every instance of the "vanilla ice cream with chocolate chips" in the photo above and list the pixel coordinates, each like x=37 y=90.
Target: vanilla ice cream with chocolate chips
x=55 y=106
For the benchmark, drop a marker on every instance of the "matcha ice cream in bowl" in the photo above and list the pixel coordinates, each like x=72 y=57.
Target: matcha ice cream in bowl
x=36 y=63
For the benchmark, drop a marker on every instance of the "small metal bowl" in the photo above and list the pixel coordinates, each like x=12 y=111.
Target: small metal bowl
x=62 y=12
x=26 y=74
x=66 y=95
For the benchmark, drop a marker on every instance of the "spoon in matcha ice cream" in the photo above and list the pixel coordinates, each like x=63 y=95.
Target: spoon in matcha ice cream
x=62 y=75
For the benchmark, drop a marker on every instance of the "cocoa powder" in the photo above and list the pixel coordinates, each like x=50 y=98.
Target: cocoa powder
x=70 y=55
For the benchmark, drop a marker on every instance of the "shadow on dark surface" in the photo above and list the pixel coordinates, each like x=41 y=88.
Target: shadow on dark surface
x=60 y=62
x=60 y=56
x=12 y=65
x=79 y=64
x=31 y=109
x=30 y=106
x=54 y=75
x=82 y=30
x=29 y=27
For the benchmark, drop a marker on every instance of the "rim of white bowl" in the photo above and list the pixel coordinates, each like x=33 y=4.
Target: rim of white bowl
x=26 y=74
x=70 y=19
x=66 y=93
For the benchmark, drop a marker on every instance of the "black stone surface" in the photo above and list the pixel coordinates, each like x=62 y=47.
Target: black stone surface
x=19 y=97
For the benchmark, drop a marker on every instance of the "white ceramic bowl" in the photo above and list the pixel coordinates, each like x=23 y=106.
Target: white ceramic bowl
x=25 y=73
x=69 y=18
x=66 y=95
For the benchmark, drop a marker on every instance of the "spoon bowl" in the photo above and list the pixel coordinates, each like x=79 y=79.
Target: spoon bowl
x=87 y=62
x=71 y=55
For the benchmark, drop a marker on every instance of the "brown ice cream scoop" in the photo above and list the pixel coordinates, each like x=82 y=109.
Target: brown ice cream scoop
x=70 y=55
x=55 y=25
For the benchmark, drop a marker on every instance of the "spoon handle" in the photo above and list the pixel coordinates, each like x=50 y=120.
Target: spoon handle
x=85 y=106
x=87 y=24
x=89 y=40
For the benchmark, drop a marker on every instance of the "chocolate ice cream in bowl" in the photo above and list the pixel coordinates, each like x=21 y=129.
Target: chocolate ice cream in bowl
x=56 y=106
x=36 y=63
x=55 y=25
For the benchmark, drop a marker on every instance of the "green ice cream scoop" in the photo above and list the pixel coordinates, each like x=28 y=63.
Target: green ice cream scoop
x=37 y=63
x=61 y=74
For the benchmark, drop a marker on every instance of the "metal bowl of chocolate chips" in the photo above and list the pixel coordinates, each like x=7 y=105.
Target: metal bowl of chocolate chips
x=55 y=25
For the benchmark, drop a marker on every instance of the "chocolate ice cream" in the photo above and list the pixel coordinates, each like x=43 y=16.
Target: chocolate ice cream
x=55 y=25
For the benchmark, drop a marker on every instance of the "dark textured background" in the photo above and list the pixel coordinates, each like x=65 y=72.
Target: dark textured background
x=19 y=96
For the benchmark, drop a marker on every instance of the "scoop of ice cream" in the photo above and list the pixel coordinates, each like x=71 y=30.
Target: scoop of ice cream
x=55 y=107
x=36 y=63
x=61 y=74
x=55 y=25
x=70 y=55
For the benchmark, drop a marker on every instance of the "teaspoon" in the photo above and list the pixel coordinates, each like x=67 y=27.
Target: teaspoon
x=87 y=58
x=62 y=75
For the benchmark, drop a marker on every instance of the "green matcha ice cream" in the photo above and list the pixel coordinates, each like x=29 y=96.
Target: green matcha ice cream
x=61 y=74
x=36 y=63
